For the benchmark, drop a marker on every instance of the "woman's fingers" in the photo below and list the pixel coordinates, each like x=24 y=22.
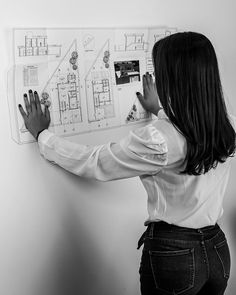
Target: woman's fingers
x=32 y=101
x=140 y=96
x=27 y=105
x=23 y=113
x=37 y=102
x=141 y=99
x=146 y=84
x=149 y=79
x=47 y=113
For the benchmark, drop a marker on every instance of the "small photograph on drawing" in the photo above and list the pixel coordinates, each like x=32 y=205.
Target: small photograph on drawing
x=127 y=71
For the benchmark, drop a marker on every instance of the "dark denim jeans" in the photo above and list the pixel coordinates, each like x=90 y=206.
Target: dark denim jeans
x=178 y=260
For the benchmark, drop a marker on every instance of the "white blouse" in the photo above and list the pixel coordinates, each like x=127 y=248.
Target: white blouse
x=156 y=154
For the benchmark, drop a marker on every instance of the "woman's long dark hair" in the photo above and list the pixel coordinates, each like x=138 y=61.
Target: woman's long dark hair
x=189 y=88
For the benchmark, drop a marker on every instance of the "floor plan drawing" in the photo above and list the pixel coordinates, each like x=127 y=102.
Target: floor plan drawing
x=63 y=91
x=99 y=87
x=38 y=45
x=102 y=98
x=87 y=77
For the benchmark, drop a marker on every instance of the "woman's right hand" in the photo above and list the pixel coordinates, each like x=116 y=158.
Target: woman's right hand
x=149 y=100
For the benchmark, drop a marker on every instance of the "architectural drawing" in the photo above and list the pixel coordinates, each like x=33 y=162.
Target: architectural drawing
x=149 y=64
x=155 y=35
x=89 y=43
x=136 y=113
x=163 y=33
x=30 y=75
x=63 y=91
x=38 y=45
x=132 y=42
x=99 y=95
x=87 y=77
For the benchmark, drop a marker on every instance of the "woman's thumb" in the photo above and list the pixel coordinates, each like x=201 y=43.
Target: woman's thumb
x=140 y=96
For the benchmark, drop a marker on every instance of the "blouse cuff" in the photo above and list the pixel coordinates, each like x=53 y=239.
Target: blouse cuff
x=161 y=114
x=43 y=139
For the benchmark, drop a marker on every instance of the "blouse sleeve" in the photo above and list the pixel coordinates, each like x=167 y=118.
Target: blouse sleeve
x=142 y=151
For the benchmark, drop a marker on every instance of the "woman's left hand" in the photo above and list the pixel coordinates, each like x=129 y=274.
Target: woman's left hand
x=34 y=118
x=149 y=100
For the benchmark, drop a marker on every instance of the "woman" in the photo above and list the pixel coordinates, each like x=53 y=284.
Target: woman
x=183 y=160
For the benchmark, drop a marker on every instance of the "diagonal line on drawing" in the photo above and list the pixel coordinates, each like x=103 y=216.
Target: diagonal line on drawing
x=73 y=43
x=107 y=42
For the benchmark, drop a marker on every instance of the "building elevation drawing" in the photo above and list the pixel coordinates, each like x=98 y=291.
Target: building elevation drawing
x=88 y=77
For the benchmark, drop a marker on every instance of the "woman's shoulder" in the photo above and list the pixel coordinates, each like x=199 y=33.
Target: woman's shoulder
x=164 y=125
x=175 y=141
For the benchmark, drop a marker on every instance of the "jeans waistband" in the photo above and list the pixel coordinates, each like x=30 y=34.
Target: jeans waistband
x=165 y=230
x=161 y=226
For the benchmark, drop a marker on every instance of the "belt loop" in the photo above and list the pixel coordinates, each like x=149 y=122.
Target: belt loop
x=141 y=240
x=151 y=230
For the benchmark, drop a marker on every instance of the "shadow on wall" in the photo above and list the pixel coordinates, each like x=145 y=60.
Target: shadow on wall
x=76 y=265
x=231 y=237
x=232 y=224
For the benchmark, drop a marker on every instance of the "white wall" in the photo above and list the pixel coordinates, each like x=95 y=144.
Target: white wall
x=61 y=234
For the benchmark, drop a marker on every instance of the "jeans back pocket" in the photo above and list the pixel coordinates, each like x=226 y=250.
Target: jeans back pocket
x=173 y=271
x=222 y=251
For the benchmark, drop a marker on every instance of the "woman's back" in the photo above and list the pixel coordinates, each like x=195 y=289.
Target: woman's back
x=182 y=199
